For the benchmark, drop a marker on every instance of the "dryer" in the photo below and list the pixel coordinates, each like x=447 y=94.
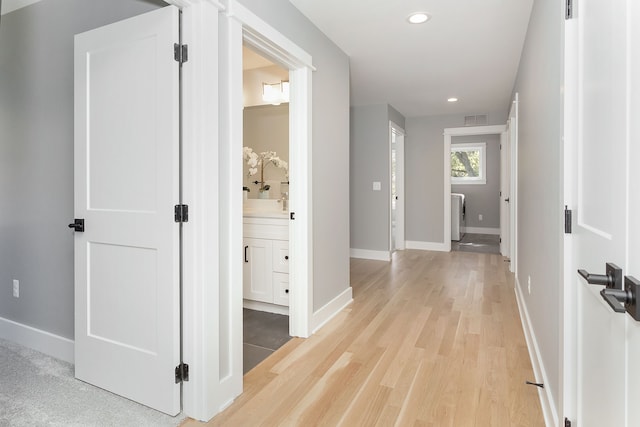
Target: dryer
x=458 y=209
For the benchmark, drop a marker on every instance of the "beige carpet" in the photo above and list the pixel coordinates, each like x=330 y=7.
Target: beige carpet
x=38 y=390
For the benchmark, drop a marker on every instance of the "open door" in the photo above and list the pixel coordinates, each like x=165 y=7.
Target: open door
x=127 y=269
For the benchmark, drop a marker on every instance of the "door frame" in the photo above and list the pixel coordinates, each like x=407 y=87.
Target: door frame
x=212 y=135
x=513 y=187
x=448 y=134
x=400 y=204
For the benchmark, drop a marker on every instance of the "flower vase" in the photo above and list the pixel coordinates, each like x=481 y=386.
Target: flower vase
x=263 y=194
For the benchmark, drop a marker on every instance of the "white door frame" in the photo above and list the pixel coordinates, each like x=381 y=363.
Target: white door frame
x=275 y=46
x=400 y=205
x=448 y=134
x=212 y=240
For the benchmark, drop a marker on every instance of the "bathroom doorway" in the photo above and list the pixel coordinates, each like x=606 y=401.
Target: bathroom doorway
x=265 y=189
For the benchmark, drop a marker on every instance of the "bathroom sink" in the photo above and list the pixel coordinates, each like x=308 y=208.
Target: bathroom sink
x=263 y=207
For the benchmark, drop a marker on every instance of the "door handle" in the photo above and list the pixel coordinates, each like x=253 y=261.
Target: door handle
x=245 y=254
x=77 y=225
x=621 y=300
x=611 y=280
x=506 y=200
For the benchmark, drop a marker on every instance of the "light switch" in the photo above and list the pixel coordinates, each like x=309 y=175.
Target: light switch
x=376 y=186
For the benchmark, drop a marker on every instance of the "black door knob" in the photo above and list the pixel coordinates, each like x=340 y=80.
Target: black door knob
x=77 y=225
x=621 y=300
x=611 y=280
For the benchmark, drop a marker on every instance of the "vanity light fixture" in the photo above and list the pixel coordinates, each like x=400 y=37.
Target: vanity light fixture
x=452 y=100
x=276 y=93
x=418 y=18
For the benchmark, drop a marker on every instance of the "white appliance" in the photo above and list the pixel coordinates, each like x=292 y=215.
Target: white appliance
x=457 y=216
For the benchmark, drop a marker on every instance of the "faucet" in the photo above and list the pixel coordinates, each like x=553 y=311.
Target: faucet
x=284 y=200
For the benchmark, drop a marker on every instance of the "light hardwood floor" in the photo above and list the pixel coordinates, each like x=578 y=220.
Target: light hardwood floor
x=431 y=339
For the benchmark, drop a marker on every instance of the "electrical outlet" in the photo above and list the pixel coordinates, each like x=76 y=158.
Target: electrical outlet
x=529 y=284
x=16 y=288
x=480 y=217
x=377 y=186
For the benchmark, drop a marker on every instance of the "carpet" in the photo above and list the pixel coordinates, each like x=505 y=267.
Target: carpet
x=38 y=390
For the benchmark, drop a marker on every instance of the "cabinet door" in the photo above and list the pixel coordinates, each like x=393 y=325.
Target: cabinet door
x=281 y=256
x=281 y=289
x=257 y=281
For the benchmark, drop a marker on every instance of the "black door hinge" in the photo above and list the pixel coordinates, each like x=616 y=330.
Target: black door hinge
x=292 y=215
x=501 y=240
x=567 y=220
x=181 y=213
x=567 y=423
x=568 y=12
x=180 y=52
x=182 y=373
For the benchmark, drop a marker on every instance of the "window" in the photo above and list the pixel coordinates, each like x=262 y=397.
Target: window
x=468 y=163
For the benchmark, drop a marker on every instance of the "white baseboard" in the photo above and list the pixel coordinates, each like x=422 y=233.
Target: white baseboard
x=549 y=409
x=369 y=254
x=428 y=246
x=333 y=307
x=264 y=306
x=481 y=230
x=42 y=341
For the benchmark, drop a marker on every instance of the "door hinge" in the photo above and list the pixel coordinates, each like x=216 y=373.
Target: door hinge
x=182 y=373
x=568 y=11
x=567 y=422
x=501 y=240
x=180 y=52
x=567 y=220
x=181 y=213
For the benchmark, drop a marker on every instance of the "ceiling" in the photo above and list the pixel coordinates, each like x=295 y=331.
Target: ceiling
x=469 y=49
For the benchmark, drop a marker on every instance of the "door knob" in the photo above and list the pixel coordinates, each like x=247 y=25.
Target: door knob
x=621 y=300
x=77 y=225
x=611 y=280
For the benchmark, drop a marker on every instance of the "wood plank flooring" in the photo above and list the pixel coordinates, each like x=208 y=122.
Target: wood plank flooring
x=431 y=339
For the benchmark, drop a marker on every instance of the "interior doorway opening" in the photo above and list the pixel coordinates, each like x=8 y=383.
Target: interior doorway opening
x=265 y=186
x=397 y=205
x=469 y=179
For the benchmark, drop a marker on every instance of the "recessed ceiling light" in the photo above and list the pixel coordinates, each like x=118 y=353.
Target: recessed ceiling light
x=418 y=18
x=452 y=99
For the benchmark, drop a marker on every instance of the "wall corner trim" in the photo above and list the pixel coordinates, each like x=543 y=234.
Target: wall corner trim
x=428 y=246
x=369 y=254
x=37 y=339
x=331 y=309
x=549 y=409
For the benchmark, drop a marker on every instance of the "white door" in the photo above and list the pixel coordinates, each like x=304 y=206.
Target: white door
x=602 y=76
x=127 y=309
x=505 y=190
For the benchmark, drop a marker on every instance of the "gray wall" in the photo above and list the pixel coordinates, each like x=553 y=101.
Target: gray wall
x=369 y=214
x=424 y=173
x=36 y=154
x=482 y=198
x=540 y=159
x=330 y=145
x=266 y=128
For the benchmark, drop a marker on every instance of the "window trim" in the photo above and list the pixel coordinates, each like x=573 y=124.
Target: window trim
x=481 y=179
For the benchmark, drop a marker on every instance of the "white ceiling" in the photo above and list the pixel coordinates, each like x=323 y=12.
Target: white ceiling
x=469 y=49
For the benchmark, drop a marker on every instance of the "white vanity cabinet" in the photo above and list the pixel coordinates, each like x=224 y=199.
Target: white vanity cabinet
x=266 y=262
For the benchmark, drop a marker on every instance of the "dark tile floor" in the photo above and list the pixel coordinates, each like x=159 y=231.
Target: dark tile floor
x=487 y=243
x=264 y=333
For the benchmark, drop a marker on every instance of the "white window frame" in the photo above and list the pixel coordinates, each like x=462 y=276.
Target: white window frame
x=481 y=147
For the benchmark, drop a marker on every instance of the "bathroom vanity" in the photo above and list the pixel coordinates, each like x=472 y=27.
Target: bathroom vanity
x=266 y=257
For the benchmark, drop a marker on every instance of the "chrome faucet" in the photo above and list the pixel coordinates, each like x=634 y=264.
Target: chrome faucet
x=285 y=201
